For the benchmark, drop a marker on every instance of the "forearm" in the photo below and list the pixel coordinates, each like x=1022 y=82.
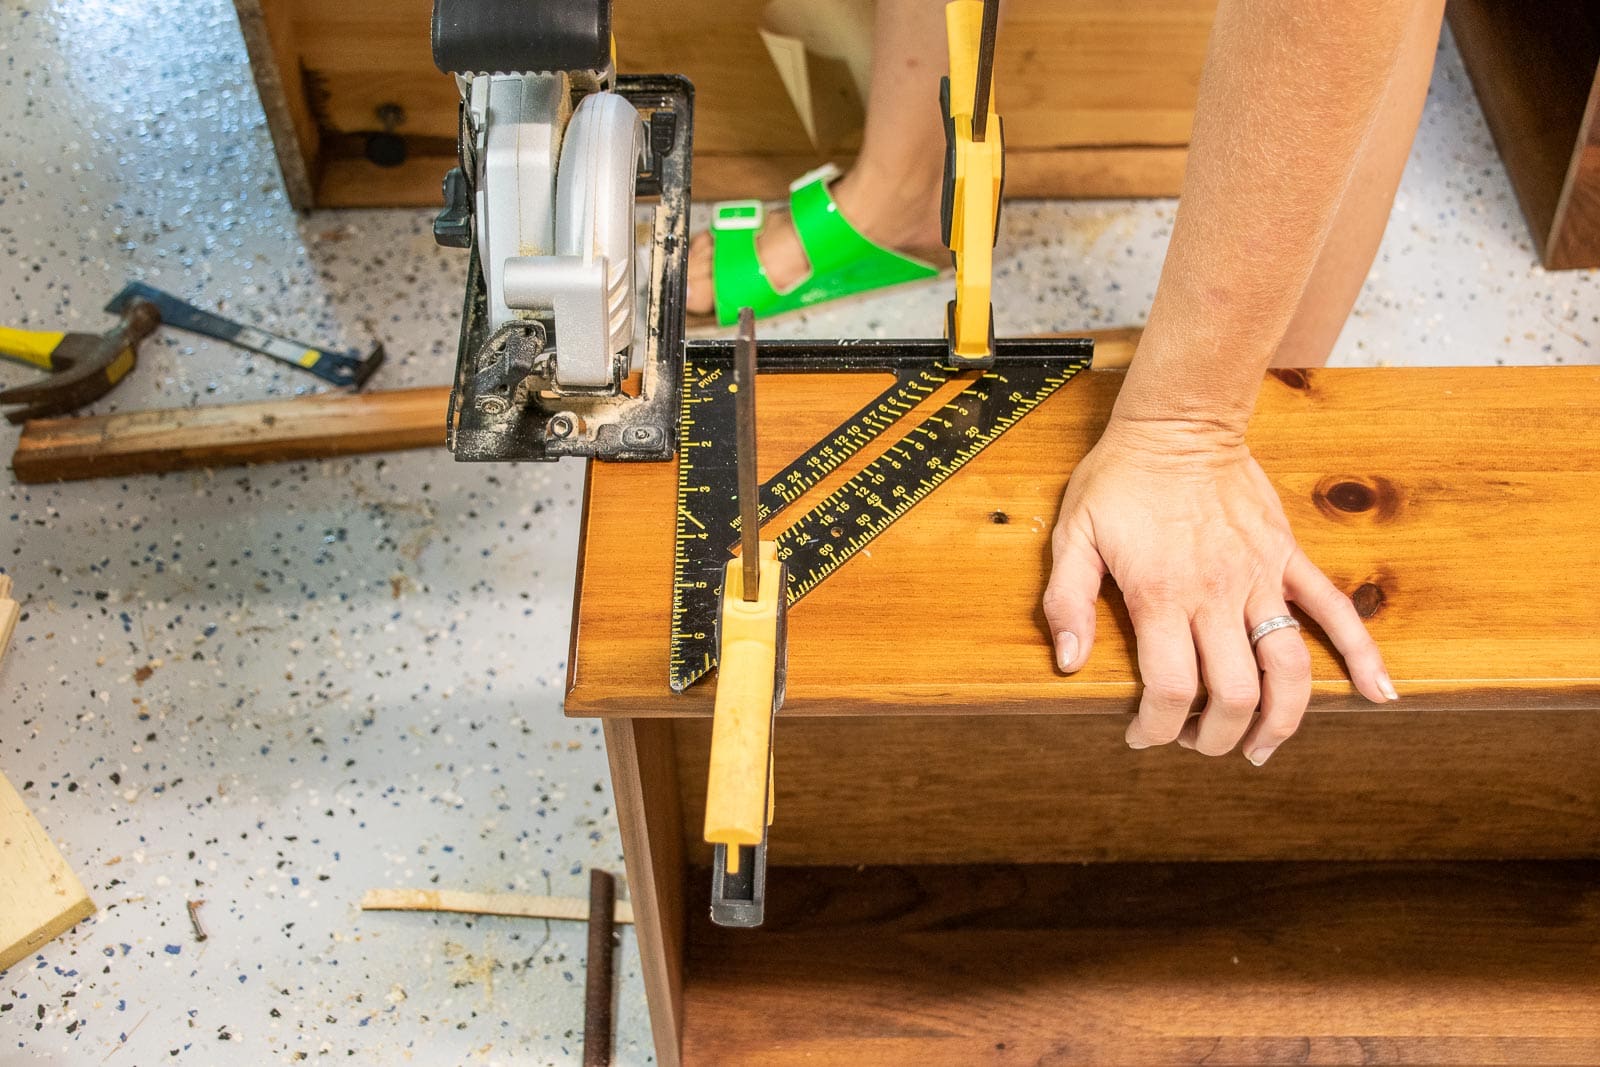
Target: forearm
x=1286 y=101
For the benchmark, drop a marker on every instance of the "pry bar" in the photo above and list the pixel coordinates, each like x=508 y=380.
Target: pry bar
x=348 y=369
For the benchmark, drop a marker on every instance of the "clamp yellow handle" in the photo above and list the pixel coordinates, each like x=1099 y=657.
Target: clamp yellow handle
x=739 y=790
x=976 y=170
x=34 y=347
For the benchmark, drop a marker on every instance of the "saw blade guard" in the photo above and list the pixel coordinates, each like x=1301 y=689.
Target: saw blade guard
x=588 y=283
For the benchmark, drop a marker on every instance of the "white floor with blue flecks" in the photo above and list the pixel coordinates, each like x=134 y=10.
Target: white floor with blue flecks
x=273 y=689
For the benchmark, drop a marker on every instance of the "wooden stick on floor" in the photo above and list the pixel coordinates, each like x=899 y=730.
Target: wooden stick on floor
x=513 y=905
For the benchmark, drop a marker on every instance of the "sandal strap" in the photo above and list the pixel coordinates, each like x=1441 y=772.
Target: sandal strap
x=843 y=262
x=736 y=270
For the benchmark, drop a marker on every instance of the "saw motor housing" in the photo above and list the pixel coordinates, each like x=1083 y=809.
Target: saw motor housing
x=564 y=302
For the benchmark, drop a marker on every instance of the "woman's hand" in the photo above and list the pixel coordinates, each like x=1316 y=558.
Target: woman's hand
x=1184 y=520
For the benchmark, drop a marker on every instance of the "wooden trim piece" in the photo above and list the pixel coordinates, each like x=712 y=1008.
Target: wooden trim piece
x=644 y=785
x=221 y=435
x=512 y=905
x=269 y=41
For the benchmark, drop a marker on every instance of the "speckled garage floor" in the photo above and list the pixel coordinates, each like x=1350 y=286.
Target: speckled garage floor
x=274 y=689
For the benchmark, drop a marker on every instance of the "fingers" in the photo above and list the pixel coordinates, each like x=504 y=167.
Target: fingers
x=1069 y=599
x=1285 y=682
x=1323 y=601
x=1167 y=668
x=1233 y=686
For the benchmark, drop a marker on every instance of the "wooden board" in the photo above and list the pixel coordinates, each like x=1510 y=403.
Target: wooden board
x=1065 y=789
x=1225 y=963
x=1098 y=96
x=40 y=897
x=220 y=435
x=644 y=784
x=1536 y=71
x=1477 y=561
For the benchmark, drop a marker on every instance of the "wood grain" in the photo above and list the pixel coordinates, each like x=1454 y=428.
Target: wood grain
x=1224 y=963
x=1064 y=788
x=40 y=897
x=220 y=435
x=1098 y=95
x=645 y=787
x=1534 y=69
x=1456 y=504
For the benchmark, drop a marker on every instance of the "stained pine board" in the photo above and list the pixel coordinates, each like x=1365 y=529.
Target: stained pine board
x=1232 y=963
x=1454 y=504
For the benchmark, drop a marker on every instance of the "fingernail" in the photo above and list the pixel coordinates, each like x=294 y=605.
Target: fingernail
x=1260 y=755
x=1184 y=742
x=1137 y=745
x=1066 y=649
x=1387 y=687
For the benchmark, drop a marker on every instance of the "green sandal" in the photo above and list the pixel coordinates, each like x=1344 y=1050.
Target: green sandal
x=843 y=262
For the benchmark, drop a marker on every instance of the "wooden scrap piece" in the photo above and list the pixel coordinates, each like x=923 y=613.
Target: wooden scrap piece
x=514 y=905
x=40 y=897
x=10 y=611
x=224 y=435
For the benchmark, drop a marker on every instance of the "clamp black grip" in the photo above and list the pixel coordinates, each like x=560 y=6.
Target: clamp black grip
x=517 y=37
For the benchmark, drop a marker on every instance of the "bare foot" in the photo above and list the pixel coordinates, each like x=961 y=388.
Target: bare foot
x=884 y=212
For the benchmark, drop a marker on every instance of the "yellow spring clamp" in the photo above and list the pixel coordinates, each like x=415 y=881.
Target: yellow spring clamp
x=974 y=174
x=739 y=783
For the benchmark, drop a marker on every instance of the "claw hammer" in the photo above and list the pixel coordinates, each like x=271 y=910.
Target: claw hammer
x=83 y=366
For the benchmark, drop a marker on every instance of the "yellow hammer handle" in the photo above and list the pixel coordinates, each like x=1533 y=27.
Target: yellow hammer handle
x=738 y=781
x=30 y=346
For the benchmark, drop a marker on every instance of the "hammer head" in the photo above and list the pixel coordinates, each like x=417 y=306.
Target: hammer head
x=85 y=366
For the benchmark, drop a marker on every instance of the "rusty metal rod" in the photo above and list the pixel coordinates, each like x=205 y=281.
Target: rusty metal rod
x=597 y=986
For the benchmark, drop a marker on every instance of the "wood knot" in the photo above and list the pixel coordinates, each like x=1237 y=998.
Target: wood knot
x=1368 y=598
x=999 y=518
x=1351 y=496
x=1340 y=497
x=1293 y=378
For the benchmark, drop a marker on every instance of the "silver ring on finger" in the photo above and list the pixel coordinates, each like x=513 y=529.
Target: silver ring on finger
x=1277 y=622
